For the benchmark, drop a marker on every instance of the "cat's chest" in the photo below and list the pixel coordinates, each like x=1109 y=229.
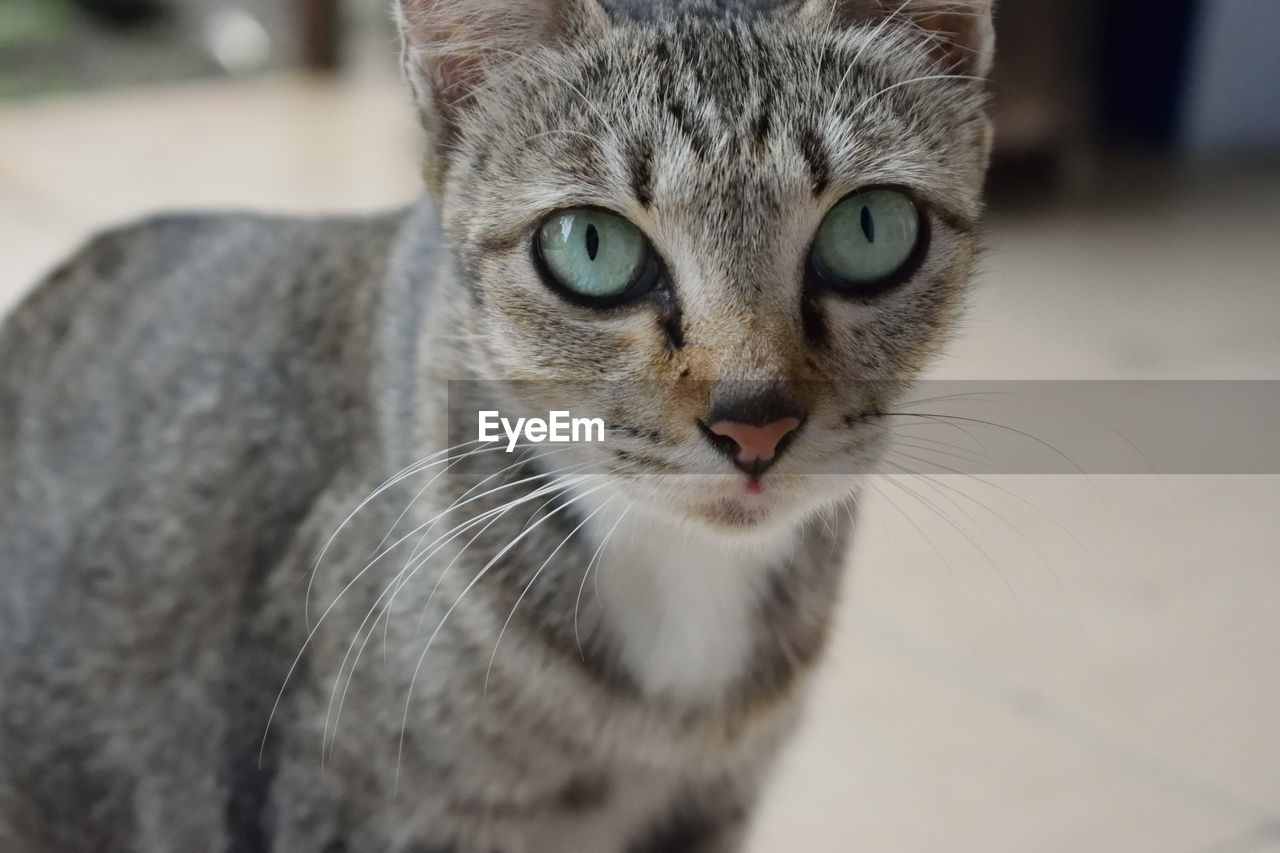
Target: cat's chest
x=682 y=609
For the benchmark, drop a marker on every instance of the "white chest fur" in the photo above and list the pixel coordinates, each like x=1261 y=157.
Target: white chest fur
x=680 y=602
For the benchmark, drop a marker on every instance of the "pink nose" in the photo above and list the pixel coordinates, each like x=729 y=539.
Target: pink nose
x=755 y=443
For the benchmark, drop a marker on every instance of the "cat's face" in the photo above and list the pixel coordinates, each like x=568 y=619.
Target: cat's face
x=712 y=232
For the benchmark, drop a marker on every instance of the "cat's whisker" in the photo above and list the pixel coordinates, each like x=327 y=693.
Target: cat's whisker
x=524 y=458
x=899 y=438
x=539 y=492
x=989 y=396
x=939 y=485
x=408 y=471
x=417 y=560
x=975 y=478
x=431 y=482
x=593 y=562
x=1013 y=527
x=951 y=569
x=391 y=588
x=932 y=507
x=493 y=516
x=350 y=584
x=529 y=585
x=996 y=425
x=1017 y=400
x=396 y=584
x=923 y=444
x=470 y=585
x=412 y=533
x=831 y=525
x=426 y=607
x=900 y=427
x=405 y=472
x=891 y=459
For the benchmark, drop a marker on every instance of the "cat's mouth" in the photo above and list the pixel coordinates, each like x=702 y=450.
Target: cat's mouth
x=751 y=502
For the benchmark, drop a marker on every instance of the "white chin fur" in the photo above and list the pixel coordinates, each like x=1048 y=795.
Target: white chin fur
x=679 y=598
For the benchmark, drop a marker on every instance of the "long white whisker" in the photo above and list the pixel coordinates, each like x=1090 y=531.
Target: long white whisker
x=594 y=557
x=407 y=471
x=529 y=585
x=429 y=484
x=470 y=585
x=306 y=643
x=416 y=563
x=951 y=569
x=396 y=584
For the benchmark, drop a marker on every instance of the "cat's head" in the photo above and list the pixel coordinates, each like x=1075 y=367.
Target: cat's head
x=709 y=227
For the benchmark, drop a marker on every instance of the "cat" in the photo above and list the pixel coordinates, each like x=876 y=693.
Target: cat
x=228 y=624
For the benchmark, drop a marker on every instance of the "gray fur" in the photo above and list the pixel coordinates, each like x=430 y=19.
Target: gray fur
x=192 y=407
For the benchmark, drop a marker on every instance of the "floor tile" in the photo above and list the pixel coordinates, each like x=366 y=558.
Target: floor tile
x=892 y=759
x=1144 y=608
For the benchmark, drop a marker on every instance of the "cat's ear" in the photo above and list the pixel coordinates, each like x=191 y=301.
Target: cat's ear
x=451 y=48
x=960 y=32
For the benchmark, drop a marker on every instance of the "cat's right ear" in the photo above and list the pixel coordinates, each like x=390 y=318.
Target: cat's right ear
x=452 y=48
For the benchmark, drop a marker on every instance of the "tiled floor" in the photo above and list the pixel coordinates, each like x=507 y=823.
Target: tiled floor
x=1023 y=663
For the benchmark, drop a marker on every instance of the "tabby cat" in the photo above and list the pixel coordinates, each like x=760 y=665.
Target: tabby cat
x=228 y=624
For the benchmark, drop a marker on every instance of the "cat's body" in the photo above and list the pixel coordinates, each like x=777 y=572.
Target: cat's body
x=193 y=410
x=119 y=649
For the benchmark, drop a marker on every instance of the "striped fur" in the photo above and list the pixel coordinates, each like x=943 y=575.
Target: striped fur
x=593 y=650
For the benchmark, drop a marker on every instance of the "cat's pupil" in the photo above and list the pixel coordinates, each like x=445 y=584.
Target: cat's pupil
x=868 y=224
x=593 y=242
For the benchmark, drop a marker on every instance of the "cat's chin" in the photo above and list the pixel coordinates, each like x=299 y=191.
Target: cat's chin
x=735 y=514
x=729 y=506
x=749 y=512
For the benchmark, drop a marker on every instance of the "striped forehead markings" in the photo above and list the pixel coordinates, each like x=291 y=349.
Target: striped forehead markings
x=640 y=166
x=816 y=159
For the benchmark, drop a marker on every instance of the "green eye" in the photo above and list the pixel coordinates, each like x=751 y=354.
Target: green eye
x=868 y=240
x=596 y=256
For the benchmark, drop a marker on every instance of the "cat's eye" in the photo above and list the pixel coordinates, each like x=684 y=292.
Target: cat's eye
x=596 y=257
x=868 y=241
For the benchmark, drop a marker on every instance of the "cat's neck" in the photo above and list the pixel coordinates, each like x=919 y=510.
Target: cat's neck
x=684 y=608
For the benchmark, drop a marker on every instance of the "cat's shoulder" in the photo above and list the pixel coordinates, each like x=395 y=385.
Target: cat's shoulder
x=186 y=326
x=207 y=253
x=183 y=280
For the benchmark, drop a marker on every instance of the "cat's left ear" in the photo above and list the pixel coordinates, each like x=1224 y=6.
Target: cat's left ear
x=452 y=48
x=960 y=33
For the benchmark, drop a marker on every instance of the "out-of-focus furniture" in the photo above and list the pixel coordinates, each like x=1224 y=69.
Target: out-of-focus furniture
x=321 y=33
x=1041 y=84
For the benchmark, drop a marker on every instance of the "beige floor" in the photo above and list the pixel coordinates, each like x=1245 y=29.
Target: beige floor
x=1023 y=663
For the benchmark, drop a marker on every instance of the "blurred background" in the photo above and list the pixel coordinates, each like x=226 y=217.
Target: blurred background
x=1046 y=664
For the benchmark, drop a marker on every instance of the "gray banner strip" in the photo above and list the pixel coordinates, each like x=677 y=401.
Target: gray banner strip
x=935 y=427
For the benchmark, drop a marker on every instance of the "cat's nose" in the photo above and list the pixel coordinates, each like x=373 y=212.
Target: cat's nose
x=752 y=429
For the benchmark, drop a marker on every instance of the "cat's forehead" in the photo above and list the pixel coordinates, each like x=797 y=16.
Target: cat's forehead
x=728 y=101
x=728 y=125
x=649 y=10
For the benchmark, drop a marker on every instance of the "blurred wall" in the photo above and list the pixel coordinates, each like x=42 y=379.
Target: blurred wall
x=1233 y=100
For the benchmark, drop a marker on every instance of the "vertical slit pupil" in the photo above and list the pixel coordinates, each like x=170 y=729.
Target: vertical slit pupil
x=593 y=242
x=868 y=224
